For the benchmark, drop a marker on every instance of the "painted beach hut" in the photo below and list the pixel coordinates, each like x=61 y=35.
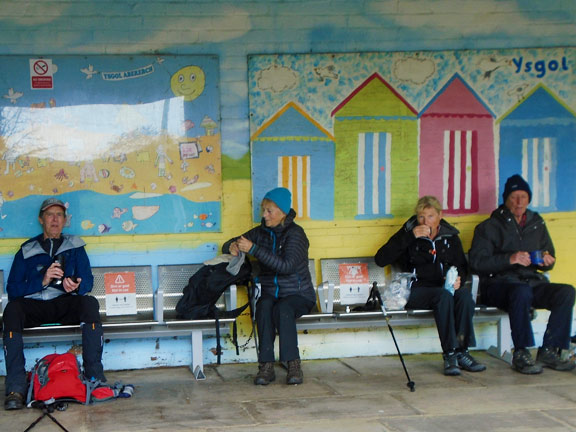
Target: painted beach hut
x=538 y=141
x=294 y=151
x=376 y=132
x=457 y=149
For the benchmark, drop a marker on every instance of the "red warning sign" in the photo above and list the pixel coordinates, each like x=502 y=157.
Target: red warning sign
x=120 y=293
x=353 y=273
x=120 y=283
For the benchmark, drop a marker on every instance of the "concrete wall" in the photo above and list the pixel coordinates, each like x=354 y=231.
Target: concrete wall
x=234 y=29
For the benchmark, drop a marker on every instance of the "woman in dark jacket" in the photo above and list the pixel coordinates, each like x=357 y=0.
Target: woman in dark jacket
x=428 y=246
x=281 y=247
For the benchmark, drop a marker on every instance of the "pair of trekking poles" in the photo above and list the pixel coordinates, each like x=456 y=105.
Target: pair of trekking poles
x=374 y=298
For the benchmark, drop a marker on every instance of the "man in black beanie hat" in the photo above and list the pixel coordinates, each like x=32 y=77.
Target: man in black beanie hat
x=510 y=250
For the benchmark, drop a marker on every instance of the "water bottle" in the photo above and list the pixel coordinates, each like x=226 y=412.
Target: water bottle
x=451 y=276
x=60 y=260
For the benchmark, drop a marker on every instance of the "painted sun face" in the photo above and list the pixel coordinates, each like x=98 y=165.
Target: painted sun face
x=188 y=82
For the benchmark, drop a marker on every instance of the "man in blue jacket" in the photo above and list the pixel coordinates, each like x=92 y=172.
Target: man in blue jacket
x=48 y=283
x=511 y=278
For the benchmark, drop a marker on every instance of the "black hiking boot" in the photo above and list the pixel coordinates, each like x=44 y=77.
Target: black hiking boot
x=265 y=374
x=295 y=375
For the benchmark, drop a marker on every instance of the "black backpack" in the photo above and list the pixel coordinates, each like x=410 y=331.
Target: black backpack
x=204 y=288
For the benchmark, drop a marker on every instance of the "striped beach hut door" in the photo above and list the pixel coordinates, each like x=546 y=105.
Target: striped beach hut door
x=537 y=155
x=460 y=176
x=294 y=175
x=374 y=178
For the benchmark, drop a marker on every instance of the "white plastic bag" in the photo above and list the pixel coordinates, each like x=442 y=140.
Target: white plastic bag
x=396 y=293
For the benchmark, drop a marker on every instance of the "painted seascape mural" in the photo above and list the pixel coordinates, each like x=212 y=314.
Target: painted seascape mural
x=131 y=144
x=361 y=136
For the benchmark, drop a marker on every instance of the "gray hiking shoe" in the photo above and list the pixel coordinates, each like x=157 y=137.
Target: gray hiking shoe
x=550 y=358
x=265 y=374
x=468 y=363
x=522 y=362
x=451 y=364
x=295 y=375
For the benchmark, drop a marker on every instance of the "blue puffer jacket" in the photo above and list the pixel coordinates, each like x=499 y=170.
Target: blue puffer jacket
x=282 y=253
x=31 y=261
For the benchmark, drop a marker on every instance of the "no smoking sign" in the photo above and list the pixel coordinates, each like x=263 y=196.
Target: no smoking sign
x=42 y=74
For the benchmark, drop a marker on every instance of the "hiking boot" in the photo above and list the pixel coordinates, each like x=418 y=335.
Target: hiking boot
x=295 y=375
x=14 y=401
x=550 y=358
x=468 y=363
x=522 y=362
x=451 y=364
x=265 y=374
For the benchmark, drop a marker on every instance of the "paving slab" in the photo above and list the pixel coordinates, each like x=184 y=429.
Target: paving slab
x=363 y=394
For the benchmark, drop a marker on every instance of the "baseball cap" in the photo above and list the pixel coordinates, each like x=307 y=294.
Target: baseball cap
x=47 y=203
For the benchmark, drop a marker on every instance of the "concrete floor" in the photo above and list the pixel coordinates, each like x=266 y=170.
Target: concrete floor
x=352 y=394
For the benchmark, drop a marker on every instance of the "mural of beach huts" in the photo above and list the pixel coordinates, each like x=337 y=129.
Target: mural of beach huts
x=376 y=163
x=538 y=141
x=293 y=151
x=457 y=149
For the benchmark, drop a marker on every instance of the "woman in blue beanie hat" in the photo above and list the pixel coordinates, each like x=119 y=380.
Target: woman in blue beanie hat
x=281 y=248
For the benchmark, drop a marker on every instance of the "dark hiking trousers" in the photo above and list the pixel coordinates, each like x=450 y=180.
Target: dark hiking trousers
x=67 y=309
x=279 y=315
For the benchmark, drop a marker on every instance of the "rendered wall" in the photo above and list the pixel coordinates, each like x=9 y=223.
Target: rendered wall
x=233 y=30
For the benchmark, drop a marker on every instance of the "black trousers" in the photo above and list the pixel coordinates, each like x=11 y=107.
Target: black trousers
x=21 y=313
x=279 y=315
x=518 y=298
x=453 y=314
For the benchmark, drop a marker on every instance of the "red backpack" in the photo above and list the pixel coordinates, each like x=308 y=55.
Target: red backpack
x=58 y=377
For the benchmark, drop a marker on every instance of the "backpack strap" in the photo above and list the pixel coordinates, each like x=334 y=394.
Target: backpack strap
x=31 y=386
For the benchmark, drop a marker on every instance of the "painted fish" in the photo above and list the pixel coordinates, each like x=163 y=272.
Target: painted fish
x=128 y=226
x=86 y=224
x=103 y=228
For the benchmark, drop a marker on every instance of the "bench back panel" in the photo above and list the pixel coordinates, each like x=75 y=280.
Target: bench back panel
x=144 y=294
x=330 y=272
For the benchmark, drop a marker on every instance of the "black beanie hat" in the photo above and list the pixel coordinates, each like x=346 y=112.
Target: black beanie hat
x=514 y=183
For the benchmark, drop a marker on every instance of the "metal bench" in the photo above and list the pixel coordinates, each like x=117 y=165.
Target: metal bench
x=155 y=315
x=333 y=315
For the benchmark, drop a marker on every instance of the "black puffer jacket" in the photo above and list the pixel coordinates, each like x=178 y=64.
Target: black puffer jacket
x=282 y=253
x=497 y=238
x=430 y=259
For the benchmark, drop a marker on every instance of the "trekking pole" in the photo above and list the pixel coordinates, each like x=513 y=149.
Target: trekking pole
x=47 y=412
x=252 y=299
x=376 y=293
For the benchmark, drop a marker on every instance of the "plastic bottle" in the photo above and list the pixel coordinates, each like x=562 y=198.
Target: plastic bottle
x=451 y=276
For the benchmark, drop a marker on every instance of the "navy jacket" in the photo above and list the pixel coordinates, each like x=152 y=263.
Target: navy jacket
x=31 y=261
x=497 y=238
x=282 y=253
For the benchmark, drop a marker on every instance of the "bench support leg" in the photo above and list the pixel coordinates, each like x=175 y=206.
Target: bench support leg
x=503 y=350
x=197 y=365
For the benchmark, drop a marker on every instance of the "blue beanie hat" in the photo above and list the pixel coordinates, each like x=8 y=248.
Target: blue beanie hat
x=281 y=197
x=514 y=183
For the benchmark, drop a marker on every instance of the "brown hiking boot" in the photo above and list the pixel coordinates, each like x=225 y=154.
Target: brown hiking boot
x=550 y=358
x=265 y=374
x=295 y=375
x=14 y=401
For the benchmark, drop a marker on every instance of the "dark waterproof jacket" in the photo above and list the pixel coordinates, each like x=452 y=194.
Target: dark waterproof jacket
x=31 y=261
x=499 y=237
x=428 y=259
x=282 y=253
